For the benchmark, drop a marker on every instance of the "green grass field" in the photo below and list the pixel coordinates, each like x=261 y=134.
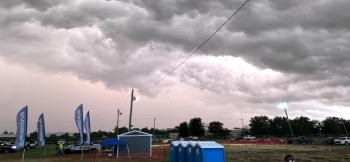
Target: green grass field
x=234 y=153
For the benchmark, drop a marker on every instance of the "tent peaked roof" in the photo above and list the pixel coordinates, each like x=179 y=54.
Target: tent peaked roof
x=135 y=133
x=112 y=142
x=209 y=144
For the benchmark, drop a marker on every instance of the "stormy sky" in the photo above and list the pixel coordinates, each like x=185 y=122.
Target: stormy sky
x=58 y=54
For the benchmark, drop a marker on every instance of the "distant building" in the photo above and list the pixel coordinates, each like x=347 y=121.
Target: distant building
x=7 y=135
x=173 y=135
x=235 y=132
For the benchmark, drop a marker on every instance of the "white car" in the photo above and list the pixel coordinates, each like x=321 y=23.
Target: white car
x=342 y=141
x=73 y=148
x=167 y=141
x=249 y=137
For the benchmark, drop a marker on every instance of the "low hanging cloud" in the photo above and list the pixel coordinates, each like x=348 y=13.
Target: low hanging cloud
x=297 y=50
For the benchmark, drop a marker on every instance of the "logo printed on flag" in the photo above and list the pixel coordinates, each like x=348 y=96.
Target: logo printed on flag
x=87 y=128
x=41 y=131
x=21 y=134
x=79 y=121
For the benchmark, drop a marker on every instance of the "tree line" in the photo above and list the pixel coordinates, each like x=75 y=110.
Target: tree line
x=195 y=127
x=278 y=126
x=258 y=125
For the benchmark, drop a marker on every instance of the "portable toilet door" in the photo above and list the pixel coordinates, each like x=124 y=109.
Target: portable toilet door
x=173 y=151
x=190 y=151
x=209 y=152
x=182 y=151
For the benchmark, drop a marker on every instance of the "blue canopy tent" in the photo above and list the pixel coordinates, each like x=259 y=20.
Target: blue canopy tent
x=114 y=142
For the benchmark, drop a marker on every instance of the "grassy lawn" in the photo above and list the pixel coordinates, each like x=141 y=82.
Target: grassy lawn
x=305 y=153
x=234 y=153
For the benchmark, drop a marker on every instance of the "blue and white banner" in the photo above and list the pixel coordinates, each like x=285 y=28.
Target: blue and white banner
x=79 y=121
x=21 y=134
x=87 y=128
x=41 y=131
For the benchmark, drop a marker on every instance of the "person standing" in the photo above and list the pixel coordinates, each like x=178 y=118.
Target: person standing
x=60 y=149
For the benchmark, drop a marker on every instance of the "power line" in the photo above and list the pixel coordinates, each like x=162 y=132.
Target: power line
x=196 y=49
x=126 y=99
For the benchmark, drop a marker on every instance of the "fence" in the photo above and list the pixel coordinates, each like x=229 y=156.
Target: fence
x=270 y=141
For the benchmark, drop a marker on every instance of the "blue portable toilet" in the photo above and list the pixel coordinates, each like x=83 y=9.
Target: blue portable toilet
x=190 y=151
x=209 y=152
x=173 y=151
x=182 y=153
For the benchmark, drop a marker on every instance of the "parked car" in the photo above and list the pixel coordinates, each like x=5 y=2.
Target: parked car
x=75 y=148
x=342 y=141
x=61 y=141
x=249 y=137
x=7 y=148
x=236 y=139
x=31 y=144
x=167 y=141
x=304 y=140
x=328 y=141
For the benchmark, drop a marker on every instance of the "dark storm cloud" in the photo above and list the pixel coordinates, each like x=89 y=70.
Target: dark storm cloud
x=134 y=43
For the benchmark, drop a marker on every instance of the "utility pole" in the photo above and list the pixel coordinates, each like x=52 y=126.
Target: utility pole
x=132 y=100
x=243 y=128
x=154 y=127
x=119 y=113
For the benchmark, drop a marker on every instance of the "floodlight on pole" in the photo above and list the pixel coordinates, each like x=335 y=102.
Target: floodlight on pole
x=243 y=129
x=119 y=113
x=284 y=106
x=154 y=127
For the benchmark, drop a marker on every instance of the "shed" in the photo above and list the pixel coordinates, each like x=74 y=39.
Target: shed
x=140 y=144
x=182 y=152
x=208 y=152
x=190 y=151
x=173 y=151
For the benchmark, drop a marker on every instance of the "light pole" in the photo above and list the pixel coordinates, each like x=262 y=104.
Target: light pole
x=284 y=106
x=154 y=127
x=119 y=113
x=133 y=98
x=243 y=129
x=346 y=131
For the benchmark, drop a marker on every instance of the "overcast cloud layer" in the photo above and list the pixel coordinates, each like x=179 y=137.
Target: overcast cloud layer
x=271 y=50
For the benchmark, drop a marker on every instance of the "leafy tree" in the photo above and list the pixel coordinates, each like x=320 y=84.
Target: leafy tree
x=5 y=132
x=76 y=135
x=196 y=127
x=183 y=129
x=317 y=127
x=146 y=130
x=332 y=125
x=121 y=130
x=279 y=126
x=302 y=126
x=53 y=136
x=224 y=132
x=66 y=135
x=259 y=125
x=33 y=134
x=215 y=127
